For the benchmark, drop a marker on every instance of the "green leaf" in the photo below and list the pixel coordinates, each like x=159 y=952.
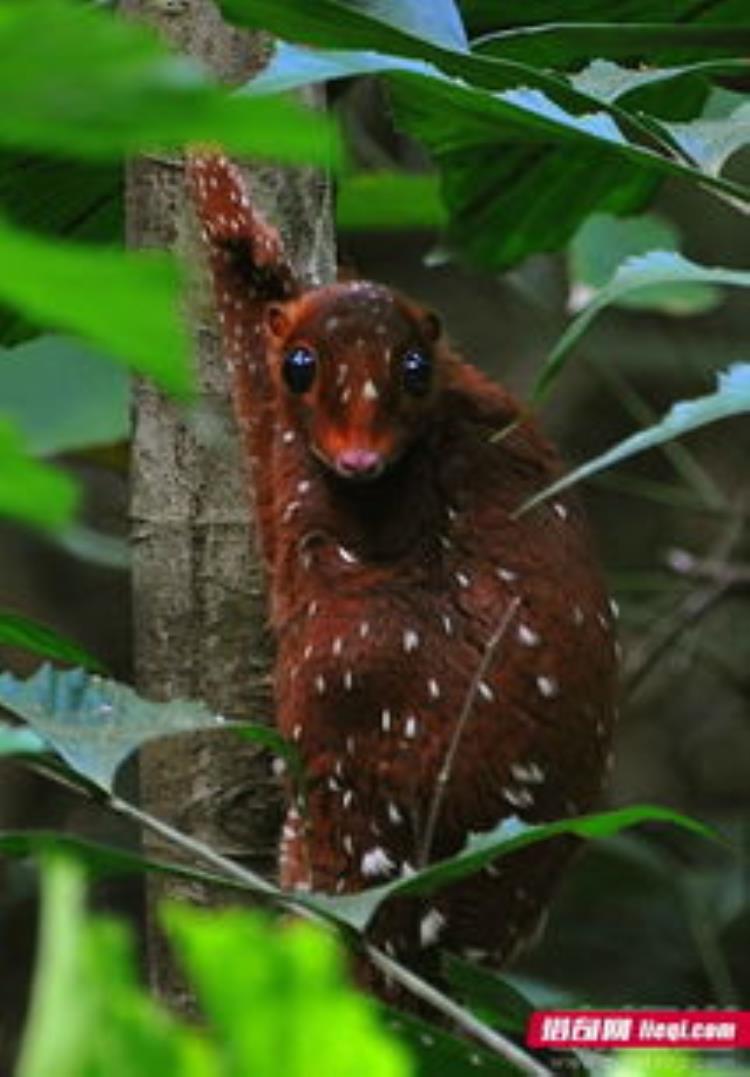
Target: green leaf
x=291 y=67
x=89 y=1014
x=18 y=631
x=95 y=84
x=29 y=491
x=283 y=1006
x=608 y=82
x=484 y=15
x=123 y=302
x=60 y=197
x=437 y=1053
x=604 y=242
x=562 y=44
x=493 y=999
x=732 y=397
x=482 y=849
x=385 y=200
x=95 y=723
x=654 y=268
x=63 y=197
x=63 y=396
x=439 y=23
x=377 y=25
x=711 y=143
x=102 y=861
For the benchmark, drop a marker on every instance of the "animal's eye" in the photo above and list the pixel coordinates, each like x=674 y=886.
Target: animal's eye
x=299 y=369
x=416 y=372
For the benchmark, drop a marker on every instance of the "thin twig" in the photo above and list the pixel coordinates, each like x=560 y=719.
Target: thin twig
x=689 y=612
x=412 y=983
x=730 y=574
x=692 y=608
x=446 y=770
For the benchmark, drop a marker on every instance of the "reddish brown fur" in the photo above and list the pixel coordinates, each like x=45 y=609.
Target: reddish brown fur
x=384 y=594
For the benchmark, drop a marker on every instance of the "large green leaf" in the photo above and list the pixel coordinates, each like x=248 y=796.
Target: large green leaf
x=561 y=44
x=63 y=396
x=84 y=81
x=89 y=1014
x=732 y=397
x=125 y=303
x=277 y=998
x=95 y=723
x=102 y=861
x=638 y=274
x=487 y=15
x=30 y=491
x=482 y=849
x=18 y=631
x=62 y=196
x=338 y=24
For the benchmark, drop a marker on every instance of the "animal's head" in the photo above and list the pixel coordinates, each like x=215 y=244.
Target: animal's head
x=359 y=365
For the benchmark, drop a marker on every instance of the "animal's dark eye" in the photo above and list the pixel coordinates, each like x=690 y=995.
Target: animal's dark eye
x=416 y=371
x=299 y=369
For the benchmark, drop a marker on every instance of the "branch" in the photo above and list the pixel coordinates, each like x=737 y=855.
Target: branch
x=730 y=575
x=722 y=577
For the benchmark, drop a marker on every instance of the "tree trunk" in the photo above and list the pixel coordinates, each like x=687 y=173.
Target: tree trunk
x=197 y=587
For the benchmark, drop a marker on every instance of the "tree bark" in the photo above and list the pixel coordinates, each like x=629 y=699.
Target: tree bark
x=197 y=586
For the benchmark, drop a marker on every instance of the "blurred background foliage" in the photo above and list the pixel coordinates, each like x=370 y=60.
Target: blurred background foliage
x=503 y=184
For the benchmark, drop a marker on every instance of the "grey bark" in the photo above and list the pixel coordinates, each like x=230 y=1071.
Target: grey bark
x=197 y=587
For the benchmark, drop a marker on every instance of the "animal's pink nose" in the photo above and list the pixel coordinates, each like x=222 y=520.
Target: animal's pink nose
x=359 y=463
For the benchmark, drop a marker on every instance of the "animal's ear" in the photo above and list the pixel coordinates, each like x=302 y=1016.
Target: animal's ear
x=431 y=325
x=278 y=320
